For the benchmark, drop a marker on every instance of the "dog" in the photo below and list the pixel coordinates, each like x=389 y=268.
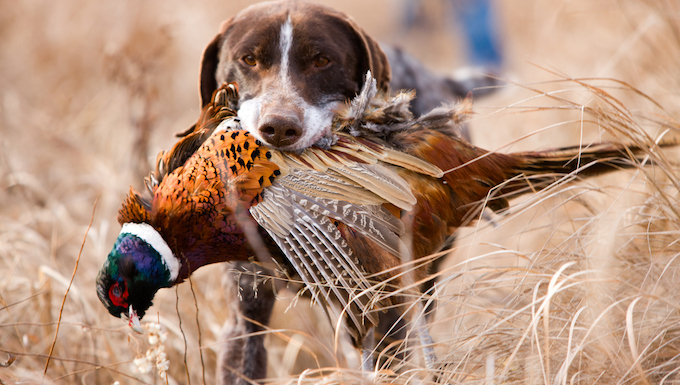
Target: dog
x=272 y=48
x=322 y=55
x=295 y=63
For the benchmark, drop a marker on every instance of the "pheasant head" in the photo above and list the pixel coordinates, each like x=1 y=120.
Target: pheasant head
x=139 y=264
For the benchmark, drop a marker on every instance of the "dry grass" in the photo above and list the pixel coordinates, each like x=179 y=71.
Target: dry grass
x=576 y=285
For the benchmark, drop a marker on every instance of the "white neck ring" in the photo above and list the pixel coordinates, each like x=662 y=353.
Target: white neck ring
x=149 y=235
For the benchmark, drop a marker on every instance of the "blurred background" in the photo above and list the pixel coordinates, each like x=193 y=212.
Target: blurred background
x=90 y=91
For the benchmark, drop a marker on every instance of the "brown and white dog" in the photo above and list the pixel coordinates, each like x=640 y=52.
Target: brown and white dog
x=295 y=63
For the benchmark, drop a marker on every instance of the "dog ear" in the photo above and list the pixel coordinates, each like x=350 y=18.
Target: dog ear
x=209 y=62
x=374 y=58
x=207 y=83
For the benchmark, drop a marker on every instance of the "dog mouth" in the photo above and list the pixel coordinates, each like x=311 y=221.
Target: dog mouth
x=289 y=129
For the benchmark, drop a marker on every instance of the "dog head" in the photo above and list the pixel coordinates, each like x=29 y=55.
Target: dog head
x=294 y=63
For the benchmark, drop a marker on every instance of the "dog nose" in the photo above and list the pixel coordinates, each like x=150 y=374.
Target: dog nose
x=280 y=130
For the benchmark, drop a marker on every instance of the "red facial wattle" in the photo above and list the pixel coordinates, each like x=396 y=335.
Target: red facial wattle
x=118 y=293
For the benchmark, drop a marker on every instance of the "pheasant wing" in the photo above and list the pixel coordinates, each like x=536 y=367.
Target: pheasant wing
x=305 y=229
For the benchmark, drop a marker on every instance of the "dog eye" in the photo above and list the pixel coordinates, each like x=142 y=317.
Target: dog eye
x=321 y=61
x=249 y=60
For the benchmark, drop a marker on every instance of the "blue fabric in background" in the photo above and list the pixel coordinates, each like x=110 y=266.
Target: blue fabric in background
x=476 y=20
x=478 y=23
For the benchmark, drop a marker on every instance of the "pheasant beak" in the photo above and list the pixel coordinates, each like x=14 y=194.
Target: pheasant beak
x=133 y=321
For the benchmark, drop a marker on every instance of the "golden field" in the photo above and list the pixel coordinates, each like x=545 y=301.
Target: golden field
x=576 y=285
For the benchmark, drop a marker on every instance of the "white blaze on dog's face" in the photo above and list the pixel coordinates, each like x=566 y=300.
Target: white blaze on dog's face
x=294 y=64
x=280 y=116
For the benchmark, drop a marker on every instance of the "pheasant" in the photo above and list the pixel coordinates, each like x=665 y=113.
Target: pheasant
x=335 y=216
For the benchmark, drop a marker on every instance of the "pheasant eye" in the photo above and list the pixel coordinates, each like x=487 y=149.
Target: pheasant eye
x=119 y=294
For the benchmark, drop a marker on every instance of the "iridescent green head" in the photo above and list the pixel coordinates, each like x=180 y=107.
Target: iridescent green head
x=138 y=266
